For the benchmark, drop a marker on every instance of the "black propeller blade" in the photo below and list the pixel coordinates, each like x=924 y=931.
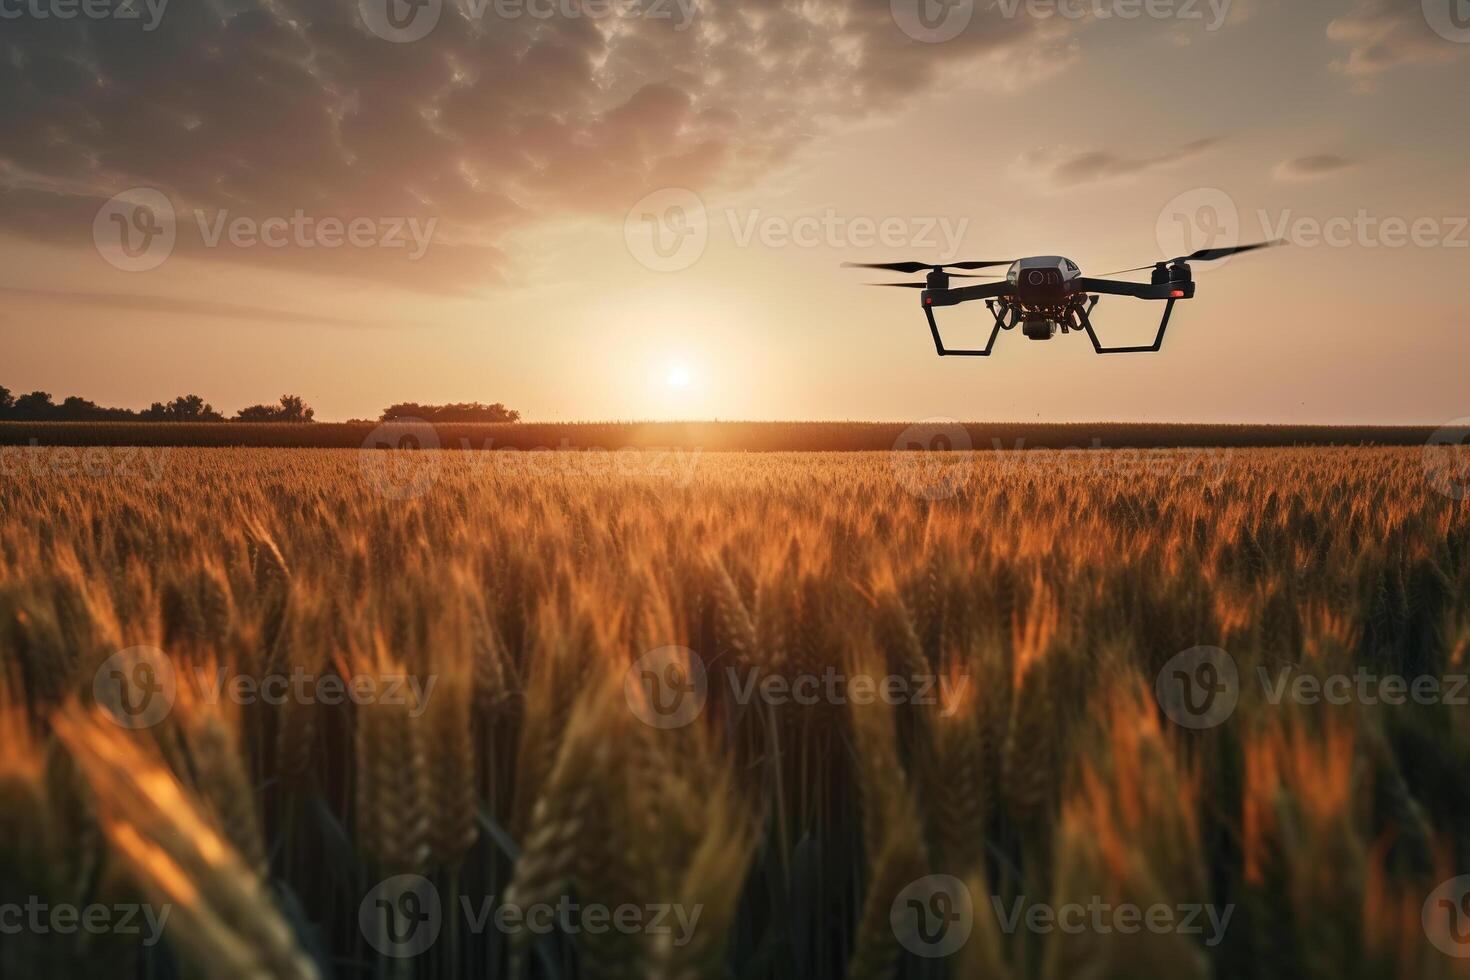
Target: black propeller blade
x=1211 y=254
x=1203 y=255
x=921 y=266
x=978 y=265
x=921 y=285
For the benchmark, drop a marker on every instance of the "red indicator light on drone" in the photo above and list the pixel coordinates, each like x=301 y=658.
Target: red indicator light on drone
x=928 y=300
x=1177 y=294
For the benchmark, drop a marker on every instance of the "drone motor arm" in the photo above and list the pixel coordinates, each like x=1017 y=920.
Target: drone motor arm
x=1183 y=289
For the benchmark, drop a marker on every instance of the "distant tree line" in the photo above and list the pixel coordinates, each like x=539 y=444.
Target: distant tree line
x=39 y=407
x=457 y=412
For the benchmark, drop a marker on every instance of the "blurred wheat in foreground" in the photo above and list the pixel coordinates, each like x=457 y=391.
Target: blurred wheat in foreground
x=523 y=762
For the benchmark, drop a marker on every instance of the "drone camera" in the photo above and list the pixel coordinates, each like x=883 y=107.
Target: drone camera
x=1039 y=329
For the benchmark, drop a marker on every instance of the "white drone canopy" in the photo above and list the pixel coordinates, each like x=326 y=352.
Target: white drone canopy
x=1046 y=265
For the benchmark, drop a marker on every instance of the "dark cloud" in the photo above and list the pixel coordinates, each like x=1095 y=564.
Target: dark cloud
x=262 y=108
x=1313 y=166
x=1062 y=168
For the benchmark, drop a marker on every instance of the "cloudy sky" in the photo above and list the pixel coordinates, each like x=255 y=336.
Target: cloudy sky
x=637 y=208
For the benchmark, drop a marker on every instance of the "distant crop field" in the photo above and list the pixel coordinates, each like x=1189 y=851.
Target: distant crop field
x=713 y=436
x=387 y=714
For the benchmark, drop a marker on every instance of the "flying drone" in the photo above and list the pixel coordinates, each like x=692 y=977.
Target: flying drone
x=1048 y=293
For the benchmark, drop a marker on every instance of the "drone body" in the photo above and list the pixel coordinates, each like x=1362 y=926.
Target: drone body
x=1045 y=294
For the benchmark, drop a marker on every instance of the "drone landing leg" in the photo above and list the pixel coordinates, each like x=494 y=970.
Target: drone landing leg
x=1150 y=349
x=947 y=352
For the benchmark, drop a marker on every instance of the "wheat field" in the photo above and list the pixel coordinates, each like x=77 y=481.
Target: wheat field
x=626 y=684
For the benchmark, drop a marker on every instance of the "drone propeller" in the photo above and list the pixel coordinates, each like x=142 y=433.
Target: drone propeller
x=924 y=285
x=1203 y=255
x=922 y=266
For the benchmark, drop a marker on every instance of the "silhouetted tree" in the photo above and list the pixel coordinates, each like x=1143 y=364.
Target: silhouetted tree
x=295 y=409
x=185 y=408
x=192 y=408
x=292 y=408
x=74 y=408
x=34 y=407
x=6 y=398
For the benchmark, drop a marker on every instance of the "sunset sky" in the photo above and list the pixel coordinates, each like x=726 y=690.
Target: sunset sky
x=515 y=148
